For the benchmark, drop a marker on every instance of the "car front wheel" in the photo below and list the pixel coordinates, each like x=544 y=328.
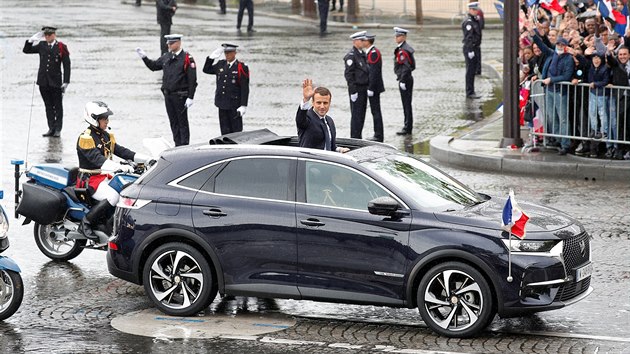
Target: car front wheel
x=179 y=280
x=454 y=300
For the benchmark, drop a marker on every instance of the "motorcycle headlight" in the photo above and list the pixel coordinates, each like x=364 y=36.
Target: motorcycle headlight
x=4 y=223
x=530 y=245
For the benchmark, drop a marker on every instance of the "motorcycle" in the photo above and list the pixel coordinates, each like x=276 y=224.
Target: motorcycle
x=11 y=284
x=51 y=199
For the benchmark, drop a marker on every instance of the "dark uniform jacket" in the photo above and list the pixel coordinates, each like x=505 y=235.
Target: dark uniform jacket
x=472 y=33
x=165 y=11
x=356 y=71
x=180 y=73
x=50 y=62
x=94 y=146
x=311 y=130
x=404 y=63
x=232 y=83
x=375 y=68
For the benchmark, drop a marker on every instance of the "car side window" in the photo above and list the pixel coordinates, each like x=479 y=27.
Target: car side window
x=198 y=179
x=255 y=177
x=334 y=185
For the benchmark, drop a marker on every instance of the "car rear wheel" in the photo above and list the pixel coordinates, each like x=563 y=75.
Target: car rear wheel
x=179 y=280
x=454 y=300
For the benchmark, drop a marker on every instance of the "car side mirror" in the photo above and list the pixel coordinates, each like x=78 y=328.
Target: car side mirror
x=386 y=206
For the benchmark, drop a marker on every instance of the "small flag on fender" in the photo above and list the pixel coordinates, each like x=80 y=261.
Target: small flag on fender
x=514 y=219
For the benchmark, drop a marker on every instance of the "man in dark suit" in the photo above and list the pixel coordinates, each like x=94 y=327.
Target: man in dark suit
x=356 y=74
x=316 y=130
x=52 y=56
x=232 y=91
x=165 y=11
x=375 y=85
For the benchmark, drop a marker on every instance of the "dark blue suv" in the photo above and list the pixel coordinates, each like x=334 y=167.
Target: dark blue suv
x=373 y=226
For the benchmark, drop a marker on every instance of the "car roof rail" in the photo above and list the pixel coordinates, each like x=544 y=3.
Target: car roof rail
x=252 y=137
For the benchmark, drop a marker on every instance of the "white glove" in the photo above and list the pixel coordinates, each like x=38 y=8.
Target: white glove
x=141 y=53
x=370 y=93
x=189 y=103
x=141 y=158
x=217 y=53
x=403 y=86
x=354 y=96
x=64 y=86
x=37 y=37
x=471 y=55
x=241 y=110
x=111 y=166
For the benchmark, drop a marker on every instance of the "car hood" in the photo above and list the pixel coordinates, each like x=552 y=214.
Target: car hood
x=488 y=215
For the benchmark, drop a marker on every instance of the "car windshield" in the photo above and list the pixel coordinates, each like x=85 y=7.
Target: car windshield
x=427 y=186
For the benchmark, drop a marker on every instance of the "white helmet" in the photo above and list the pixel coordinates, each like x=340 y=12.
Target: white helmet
x=95 y=110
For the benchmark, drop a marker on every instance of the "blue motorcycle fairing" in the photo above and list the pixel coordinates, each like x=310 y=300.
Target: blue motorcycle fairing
x=8 y=264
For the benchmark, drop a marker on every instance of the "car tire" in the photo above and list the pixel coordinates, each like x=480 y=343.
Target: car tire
x=179 y=280
x=57 y=250
x=454 y=300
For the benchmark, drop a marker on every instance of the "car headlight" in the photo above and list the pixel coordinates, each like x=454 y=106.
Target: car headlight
x=4 y=223
x=530 y=245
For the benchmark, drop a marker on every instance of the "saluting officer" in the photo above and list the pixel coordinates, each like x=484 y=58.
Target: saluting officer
x=179 y=82
x=404 y=64
x=52 y=55
x=472 y=43
x=375 y=85
x=357 y=77
x=232 y=91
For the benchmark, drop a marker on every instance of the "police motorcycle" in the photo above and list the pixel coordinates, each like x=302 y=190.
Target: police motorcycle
x=11 y=285
x=59 y=199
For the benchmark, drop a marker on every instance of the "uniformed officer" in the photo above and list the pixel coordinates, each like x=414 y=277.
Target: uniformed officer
x=472 y=43
x=404 y=64
x=375 y=85
x=165 y=11
x=232 y=91
x=95 y=150
x=357 y=77
x=179 y=82
x=52 y=55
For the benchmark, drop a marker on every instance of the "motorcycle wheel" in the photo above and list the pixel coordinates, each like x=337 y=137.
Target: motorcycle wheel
x=11 y=293
x=54 y=249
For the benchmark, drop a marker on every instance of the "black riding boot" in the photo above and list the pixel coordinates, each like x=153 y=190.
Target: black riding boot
x=93 y=215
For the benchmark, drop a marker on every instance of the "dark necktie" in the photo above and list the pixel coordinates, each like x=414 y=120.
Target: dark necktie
x=327 y=143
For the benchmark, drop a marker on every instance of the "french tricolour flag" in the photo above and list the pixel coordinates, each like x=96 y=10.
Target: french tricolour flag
x=514 y=219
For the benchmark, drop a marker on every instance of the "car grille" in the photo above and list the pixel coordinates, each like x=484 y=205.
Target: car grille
x=569 y=291
x=576 y=251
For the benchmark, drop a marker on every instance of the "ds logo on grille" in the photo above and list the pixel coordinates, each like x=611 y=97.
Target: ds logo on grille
x=582 y=248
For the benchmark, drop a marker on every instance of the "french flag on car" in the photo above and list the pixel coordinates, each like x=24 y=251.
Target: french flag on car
x=514 y=219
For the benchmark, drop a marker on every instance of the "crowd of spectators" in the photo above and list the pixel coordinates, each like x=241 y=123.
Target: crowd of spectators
x=579 y=54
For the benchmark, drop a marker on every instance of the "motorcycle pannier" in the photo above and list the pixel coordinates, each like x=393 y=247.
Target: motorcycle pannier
x=41 y=204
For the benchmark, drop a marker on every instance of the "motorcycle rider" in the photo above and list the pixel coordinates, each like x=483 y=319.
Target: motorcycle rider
x=95 y=149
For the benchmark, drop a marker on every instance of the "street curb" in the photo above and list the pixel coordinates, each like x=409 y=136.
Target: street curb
x=574 y=167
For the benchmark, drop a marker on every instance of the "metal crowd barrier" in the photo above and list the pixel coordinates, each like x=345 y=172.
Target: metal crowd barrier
x=567 y=115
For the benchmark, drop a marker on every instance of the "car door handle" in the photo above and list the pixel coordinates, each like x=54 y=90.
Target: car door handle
x=312 y=222
x=214 y=212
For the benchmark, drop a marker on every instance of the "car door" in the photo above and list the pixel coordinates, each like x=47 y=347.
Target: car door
x=344 y=252
x=246 y=211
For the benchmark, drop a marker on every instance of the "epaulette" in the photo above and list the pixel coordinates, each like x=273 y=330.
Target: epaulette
x=85 y=140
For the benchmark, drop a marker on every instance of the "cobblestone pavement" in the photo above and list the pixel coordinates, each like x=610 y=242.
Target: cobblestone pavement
x=68 y=307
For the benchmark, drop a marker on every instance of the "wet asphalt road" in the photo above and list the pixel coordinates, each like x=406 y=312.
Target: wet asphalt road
x=68 y=307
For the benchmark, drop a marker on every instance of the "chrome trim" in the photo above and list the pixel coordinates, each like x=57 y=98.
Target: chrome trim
x=277 y=147
x=549 y=282
x=174 y=183
x=387 y=274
